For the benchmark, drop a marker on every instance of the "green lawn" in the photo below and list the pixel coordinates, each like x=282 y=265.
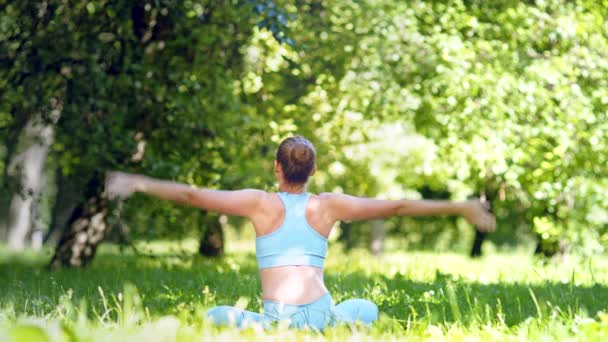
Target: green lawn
x=422 y=296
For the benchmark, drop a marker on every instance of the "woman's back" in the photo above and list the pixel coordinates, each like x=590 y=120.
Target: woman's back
x=291 y=284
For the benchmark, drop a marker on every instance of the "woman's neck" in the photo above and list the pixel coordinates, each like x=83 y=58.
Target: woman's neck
x=292 y=188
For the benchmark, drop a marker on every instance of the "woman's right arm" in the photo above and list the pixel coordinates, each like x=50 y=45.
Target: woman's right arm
x=350 y=208
x=238 y=202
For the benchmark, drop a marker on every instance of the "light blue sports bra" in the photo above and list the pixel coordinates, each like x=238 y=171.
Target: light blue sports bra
x=295 y=242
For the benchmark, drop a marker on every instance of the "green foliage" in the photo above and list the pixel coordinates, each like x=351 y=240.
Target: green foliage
x=147 y=87
x=501 y=97
x=509 y=95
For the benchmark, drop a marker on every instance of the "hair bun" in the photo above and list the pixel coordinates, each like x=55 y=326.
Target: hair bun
x=296 y=155
x=301 y=153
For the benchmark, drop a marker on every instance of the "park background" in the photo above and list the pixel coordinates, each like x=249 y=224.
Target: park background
x=504 y=100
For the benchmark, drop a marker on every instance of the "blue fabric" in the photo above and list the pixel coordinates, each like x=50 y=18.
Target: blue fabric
x=295 y=242
x=231 y=316
x=316 y=315
x=357 y=310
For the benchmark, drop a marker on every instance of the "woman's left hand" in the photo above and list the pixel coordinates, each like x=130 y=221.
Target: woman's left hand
x=478 y=213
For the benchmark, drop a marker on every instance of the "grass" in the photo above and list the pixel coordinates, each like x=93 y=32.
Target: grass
x=421 y=296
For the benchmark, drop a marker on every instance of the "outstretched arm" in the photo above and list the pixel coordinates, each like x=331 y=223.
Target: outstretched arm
x=349 y=208
x=238 y=202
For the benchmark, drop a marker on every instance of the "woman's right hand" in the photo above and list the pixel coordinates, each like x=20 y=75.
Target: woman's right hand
x=121 y=185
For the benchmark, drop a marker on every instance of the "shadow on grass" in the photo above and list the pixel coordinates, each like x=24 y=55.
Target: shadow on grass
x=171 y=285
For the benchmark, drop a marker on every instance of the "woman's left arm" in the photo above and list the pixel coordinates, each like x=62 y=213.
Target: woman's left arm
x=238 y=202
x=350 y=208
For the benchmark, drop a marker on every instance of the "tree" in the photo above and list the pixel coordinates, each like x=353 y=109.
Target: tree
x=511 y=94
x=465 y=97
x=139 y=86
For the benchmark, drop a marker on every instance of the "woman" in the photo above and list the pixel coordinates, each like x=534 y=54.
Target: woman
x=291 y=229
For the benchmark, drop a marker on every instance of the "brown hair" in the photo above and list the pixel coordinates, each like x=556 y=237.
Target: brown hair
x=296 y=155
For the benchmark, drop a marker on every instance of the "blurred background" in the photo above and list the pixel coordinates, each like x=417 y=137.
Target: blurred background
x=503 y=100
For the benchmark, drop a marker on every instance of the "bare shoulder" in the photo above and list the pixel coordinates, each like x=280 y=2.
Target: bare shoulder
x=260 y=196
x=328 y=201
x=334 y=206
x=343 y=207
x=323 y=199
x=256 y=193
x=319 y=213
x=268 y=201
x=317 y=200
x=329 y=198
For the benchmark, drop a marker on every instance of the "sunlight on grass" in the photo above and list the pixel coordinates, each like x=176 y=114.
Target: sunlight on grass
x=421 y=295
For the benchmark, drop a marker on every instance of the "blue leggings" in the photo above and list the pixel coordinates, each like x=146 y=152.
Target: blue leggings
x=316 y=315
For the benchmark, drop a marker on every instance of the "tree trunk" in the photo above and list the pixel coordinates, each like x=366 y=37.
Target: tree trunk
x=546 y=248
x=34 y=236
x=26 y=168
x=85 y=230
x=378 y=236
x=5 y=200
x=212 y=242
x=7 y=187
x=68 y=197
x=477 y=242
x=485 y=196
